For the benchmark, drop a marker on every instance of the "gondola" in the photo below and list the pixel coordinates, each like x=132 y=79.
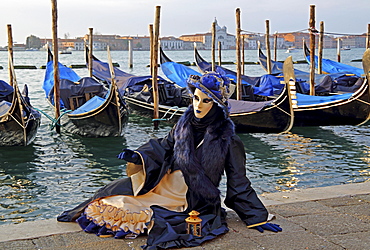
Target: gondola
x=340 y=109
x=325 y=84
x=89 y=108
x=19 y=120
x=270 y=116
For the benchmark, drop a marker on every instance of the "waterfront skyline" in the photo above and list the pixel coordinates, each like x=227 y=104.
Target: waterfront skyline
x=122 y=17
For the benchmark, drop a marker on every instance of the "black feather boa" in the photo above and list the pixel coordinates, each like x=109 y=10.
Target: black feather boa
x=203 y=176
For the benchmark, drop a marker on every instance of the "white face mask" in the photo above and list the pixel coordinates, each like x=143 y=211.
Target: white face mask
x=202 y=104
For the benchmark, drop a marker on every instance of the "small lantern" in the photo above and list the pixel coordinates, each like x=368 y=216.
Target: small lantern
x=194 y=225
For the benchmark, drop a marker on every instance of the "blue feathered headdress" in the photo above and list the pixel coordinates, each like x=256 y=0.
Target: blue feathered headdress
x=213 y=84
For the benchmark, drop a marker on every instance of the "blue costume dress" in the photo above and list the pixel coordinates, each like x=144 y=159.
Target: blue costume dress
x=178 y=174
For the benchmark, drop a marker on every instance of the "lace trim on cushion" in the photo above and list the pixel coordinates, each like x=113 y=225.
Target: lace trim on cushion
x=118 y=219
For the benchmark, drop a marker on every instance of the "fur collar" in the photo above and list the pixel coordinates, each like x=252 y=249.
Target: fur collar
x=202 y=176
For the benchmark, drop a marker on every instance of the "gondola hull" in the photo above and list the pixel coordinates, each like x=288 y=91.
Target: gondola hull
x=17 y=130
x=106 y=120
x=351 y=111
x=275 y=118
x=102 y=122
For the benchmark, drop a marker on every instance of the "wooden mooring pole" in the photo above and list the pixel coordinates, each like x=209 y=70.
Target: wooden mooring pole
x=10 y=51
x=321 y=47
x=91 y=47
x=368 y=37
x=339 y=45
x=213 y=46
x=312 y=48
x=219 y=53
x=238 y=65
x=243 y=55
x=155 y=67
x=151 y=38
x=268 y=50
x=130 y=55
x=275 y=46
x=54 y=11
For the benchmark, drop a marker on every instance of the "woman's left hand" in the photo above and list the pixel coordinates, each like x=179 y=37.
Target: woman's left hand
x=269 y=226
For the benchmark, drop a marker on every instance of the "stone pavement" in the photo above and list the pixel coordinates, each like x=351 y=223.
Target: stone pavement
x=336 y=217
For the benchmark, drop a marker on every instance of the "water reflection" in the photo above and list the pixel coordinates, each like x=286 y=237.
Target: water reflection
x=18 y=185
x=306 y=157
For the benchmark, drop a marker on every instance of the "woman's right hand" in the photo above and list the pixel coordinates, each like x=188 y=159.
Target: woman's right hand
x=130 y=156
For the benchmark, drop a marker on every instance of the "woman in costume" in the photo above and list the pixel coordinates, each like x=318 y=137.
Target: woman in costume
x=172 y=176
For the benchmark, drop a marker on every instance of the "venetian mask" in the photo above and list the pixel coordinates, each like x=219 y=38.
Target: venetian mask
x=202 y=104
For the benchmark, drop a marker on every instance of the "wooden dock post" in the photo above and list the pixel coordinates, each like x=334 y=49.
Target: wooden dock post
x=312 y=48
x=54 y=11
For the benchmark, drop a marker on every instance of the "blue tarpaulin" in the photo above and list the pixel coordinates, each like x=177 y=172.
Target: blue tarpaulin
x=178 y=73
x=90 y=105
x=312 y=100
x=330 y=66
x=64 y=73
x=5 y=89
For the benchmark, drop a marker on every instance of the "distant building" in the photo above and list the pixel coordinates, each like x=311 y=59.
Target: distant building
x=19 y=46
x=171 y=43
x=354 y=41
x=80 y=44
x=226 y=40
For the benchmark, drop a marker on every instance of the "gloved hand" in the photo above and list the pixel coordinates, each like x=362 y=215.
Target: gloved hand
x=130 y=156
x=269 y=226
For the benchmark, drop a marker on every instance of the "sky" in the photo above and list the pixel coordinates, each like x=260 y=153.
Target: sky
x=177 y=17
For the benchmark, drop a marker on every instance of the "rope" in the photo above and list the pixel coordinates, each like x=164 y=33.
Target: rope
x=167 y=119
x=55 y=122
